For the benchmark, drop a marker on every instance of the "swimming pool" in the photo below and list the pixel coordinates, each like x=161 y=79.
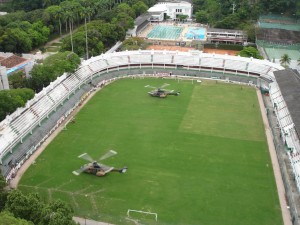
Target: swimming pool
x=195 y=33
x=165 y=32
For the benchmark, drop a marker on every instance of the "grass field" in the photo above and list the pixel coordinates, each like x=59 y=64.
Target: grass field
x=199 y=158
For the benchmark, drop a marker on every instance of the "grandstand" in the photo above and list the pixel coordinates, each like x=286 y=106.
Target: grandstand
x=22 y=132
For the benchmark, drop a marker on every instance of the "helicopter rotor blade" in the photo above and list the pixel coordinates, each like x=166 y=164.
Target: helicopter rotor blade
x=164 y=85
x=110 y=153
x=149 y=86
x=106 y=168
x=79 y=171
x=86 y=157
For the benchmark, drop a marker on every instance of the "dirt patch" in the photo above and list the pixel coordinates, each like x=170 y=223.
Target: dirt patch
x=220 y=51
x=169 y=48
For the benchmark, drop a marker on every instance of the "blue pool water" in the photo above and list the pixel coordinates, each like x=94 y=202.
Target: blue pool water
x=195 y=33
x=165 y=32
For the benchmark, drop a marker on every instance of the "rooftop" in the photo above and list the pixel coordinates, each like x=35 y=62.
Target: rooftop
x=11 y=61
x=289 y=83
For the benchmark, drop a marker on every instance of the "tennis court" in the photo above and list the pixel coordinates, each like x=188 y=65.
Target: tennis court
x=294 y=27
x=195 y=33
x=275 y=53
x=165 y=32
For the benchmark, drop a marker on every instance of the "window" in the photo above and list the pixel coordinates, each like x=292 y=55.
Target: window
x=178 y=10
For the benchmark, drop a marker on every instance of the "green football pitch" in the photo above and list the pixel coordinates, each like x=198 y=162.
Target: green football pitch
x=199 y=158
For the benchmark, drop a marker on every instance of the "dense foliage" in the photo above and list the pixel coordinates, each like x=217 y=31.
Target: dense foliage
x=23 y=36
x=22 y=31
x=8 y=218
x=17 y=208
x=134 y=43
x=12 y=99
x=100 y=36
x=250 y=52
x=240 y=14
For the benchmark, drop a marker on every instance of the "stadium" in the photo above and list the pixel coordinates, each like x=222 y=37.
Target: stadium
x=30 y=128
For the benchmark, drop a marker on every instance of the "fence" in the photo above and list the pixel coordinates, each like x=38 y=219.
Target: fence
x=266 y=44
x=279 y=19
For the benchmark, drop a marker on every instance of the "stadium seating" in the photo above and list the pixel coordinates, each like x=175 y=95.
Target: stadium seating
x=212 y=62
x=71 y=82
x=163 y=59
x=118 y=60
x=140 y=59
x=58 y=93
x=258 y=68
x=83 y=72
x=6 y=139
x=98 y=65
x=235 y=65
x=183 y=60
x=23 y=122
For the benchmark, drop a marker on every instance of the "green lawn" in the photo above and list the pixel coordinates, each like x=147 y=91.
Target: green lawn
x=199 y=158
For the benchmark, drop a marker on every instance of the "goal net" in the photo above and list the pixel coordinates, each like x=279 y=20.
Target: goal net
x=140 y=216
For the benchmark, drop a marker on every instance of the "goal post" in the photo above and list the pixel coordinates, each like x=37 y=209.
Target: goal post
x=143 y=212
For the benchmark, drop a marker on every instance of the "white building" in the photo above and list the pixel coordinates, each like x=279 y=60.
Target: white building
x=171 y=9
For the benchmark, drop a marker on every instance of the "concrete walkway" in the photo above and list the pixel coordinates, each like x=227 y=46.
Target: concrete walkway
x=278 y=178
x=83 y=221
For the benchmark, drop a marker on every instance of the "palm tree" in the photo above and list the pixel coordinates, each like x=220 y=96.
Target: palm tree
x=285 y=60
x=86 y=13
x=57 y=13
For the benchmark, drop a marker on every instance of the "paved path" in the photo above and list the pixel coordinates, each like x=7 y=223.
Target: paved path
x=83 y=221
x=278 y=178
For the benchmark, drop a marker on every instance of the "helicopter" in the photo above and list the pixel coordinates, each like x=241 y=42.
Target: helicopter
x=161 y=92
x=97 y=168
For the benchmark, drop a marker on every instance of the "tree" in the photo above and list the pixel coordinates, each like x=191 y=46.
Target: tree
x=24 y=206
x=71 y=9
x=126 y=9
x=202 y=16
x=15 y=40
x=3 y=193
x=250 y=52
x=285 y=60
x=17 y=80
x=7 y=218
x=86 y=13
x=123 y=20
x=182 y=17
x=63 y=62
x=100 y=35
x=31 y=208
x=53 y=66
x=134 y=43
x=10 y=100
x=250 y=30
x=139 y=8
x=56 y=12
